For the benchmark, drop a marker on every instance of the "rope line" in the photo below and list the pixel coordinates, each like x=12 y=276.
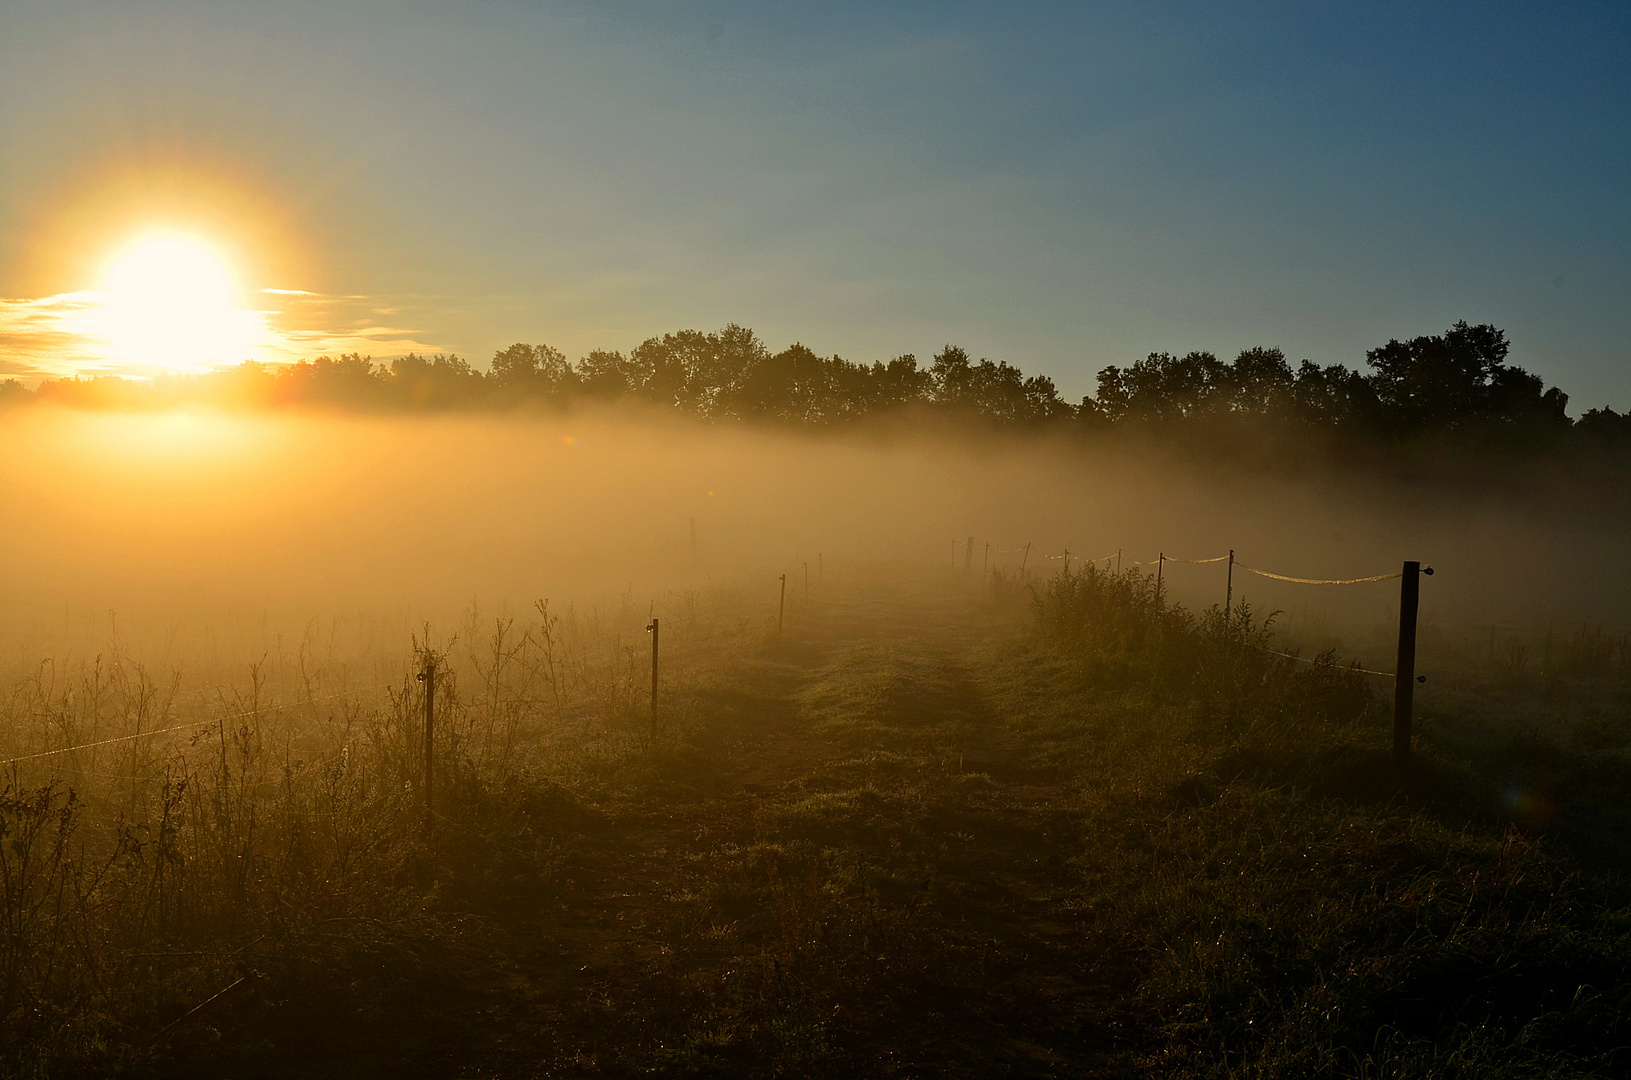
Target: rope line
x=180 y=727
x=1319 y=581
x=1191 y=562
x=1261 y=573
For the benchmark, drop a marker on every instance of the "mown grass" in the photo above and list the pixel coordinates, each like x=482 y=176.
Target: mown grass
x=1031 y=829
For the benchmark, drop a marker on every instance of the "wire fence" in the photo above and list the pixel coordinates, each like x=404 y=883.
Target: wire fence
x=195 y=725
x=1026 y=551
x=1235 y=564
x=1407 y=632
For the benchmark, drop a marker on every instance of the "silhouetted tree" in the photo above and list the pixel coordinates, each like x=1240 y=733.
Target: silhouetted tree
x=349 y=380
x=896 y=384
x=1163 y=387
x=1605 y=426
x=439 y=381
x=794 y=385
x=530 y=371
x=998 y=391
x=1260 y=383
x=1333 y=397
x=605 y=374
x=657 y=367
x=1457 y=379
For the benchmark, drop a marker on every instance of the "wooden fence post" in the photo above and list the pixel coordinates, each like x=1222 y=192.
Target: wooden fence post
x=1404 y=677
x=654 y=629
x=428 y=677
x=781 y=609
x=1229 y=588
x=1160 y=565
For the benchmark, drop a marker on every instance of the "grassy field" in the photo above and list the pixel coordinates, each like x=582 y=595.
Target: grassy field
x=937 y=827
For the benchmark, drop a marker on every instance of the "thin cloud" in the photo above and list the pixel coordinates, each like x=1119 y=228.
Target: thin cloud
x=57 y=336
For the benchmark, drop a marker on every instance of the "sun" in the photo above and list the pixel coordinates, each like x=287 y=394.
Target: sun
x=170 y=302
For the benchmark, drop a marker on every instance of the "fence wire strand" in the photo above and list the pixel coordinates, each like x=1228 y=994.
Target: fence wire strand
x=183 y=727
x=1334 y=667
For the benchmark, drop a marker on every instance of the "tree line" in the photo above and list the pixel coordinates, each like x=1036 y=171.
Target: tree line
x=1458 y=381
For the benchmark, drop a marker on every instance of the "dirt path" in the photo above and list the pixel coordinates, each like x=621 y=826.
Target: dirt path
x=845 y=836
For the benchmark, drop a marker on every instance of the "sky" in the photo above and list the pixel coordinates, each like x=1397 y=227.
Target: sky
x=1062 y=186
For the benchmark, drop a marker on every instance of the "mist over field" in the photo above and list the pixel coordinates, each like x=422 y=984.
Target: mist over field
x=192 y=521
x=949 y=797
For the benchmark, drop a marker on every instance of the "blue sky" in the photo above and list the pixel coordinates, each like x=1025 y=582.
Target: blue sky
x=1060 y=185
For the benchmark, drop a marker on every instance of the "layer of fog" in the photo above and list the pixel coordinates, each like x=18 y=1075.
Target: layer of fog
x=197 y=527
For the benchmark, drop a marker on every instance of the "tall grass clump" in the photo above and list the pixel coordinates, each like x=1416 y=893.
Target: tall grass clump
x=1119 y=632
x=176 y=856
x=1287 y=900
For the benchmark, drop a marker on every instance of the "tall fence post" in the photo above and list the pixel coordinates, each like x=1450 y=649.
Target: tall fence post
x=428 y=677
x=1118 y=560
x=781 y=609
x=1404 y=677
x=1229 y=587
x=655 y=629
x=968 y=556
x=1067 y=560
x=1026 y=557
x=1160 y=565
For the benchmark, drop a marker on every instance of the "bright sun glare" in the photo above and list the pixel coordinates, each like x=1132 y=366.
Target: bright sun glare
x=170 y=302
